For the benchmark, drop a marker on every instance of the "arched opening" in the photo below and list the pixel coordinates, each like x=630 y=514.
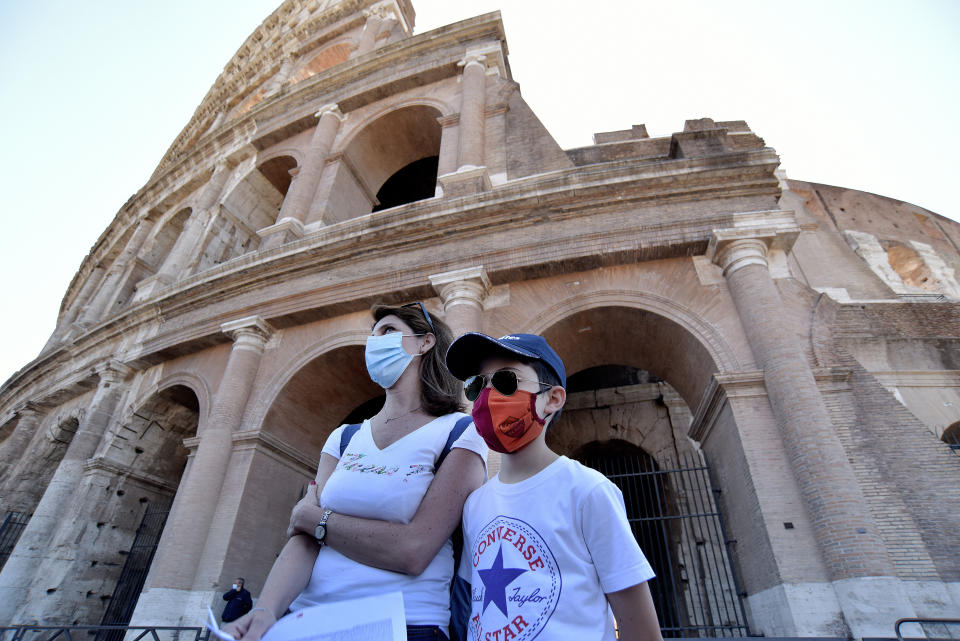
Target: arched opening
x=909 y=265
x=320 y=396
x=253 y=204
x=326 y=58
x=406 y=140
x=951 y=436
x=637 y=338
x=416 y=181
x=633 y=377
x=147 y=449
x=27 y=477
x=163 y=240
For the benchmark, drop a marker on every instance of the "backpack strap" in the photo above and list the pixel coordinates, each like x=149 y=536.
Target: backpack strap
x=455 y=433
x=346 y=435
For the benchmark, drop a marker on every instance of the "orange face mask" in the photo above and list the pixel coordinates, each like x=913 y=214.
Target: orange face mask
x=507 y=423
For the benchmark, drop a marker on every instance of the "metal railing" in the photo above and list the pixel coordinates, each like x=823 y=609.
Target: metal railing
x=10 y=530
x=931 y=628
x=674 y=516
x=93 y=632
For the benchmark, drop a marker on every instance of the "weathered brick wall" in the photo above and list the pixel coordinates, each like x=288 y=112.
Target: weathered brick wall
x=911 y=479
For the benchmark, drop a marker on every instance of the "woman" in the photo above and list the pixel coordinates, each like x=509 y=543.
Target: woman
x=388 y=515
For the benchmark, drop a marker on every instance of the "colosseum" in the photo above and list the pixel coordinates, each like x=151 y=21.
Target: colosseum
x=768 y=368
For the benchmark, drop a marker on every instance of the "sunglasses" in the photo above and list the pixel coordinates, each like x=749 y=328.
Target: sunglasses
x=426 y=315
x=504 y=381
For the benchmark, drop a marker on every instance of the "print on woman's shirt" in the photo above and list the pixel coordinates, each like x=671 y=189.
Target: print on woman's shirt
x=516 y=581
x=351 y=462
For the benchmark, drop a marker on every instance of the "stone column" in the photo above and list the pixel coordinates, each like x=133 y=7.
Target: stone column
x=462 y=292
x=845 y=531
x=473 y=102
x=185 y=534
x=368 y=39
x=110 y=286
x=32 y=548
x=13 y=448
x=471 y=175
x=296 y=204
x=186 y=244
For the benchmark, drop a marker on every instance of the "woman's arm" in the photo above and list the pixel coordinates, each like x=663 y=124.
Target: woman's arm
x=636 y=617
x=408 y=548
x=289 y=575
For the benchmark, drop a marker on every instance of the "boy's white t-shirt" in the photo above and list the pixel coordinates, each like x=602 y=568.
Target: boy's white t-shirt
x=388 y=485
x=541 y=555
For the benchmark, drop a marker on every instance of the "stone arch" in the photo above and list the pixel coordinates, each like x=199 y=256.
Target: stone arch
x=951 y=436
x=401 y=137
x=707 y=342
x=317 y=392
x=7 y=427
x=326 y=57
x=26 y=479
x=163 y=238
x=909 y=265
x=252 y=203
x=149 y=438
x=199 y=386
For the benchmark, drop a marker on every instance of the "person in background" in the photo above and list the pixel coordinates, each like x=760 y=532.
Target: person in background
x=238 y=602
x=548 y=550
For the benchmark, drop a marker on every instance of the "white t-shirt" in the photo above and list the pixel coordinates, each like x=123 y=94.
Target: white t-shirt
x=541 y=555
x=388 y=485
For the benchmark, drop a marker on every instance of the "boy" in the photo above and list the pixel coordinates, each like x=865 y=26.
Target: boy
x=547 y=546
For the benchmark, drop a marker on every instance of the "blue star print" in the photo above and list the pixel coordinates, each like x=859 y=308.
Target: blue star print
x=495 y=581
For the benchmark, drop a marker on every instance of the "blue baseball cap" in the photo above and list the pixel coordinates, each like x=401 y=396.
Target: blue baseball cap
x=466 y=354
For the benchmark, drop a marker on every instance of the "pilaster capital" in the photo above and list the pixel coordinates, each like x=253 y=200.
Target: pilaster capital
x=732 y=254
x=28 y=409
x=473 y=58
x=462 y=286
x=751 y=238
x=332 y=109
x=251 y=333
x=449 y=121
x=113 y=371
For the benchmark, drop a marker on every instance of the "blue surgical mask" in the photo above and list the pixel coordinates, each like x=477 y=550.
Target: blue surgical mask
x=386 y=358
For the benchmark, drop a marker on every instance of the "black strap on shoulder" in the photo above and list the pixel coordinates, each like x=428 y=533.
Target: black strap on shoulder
x=455 y=433
x=346 y=435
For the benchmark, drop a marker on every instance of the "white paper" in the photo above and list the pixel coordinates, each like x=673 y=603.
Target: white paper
x=375 y=618
x=214 y=628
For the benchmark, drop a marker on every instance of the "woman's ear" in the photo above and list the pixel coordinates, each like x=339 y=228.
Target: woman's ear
x=429 y=340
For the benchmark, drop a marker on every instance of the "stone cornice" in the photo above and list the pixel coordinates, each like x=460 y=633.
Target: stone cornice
x=355 y=82
x=112 y=468
x=566 y=195
x=276 y=448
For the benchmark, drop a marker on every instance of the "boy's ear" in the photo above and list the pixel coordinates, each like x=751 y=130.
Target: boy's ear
x=556 y=397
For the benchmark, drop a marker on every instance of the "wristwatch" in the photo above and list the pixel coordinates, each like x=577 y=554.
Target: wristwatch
x=321 y=532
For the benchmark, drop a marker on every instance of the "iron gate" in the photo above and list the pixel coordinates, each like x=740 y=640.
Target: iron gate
x=10 y=531
x=675 y=519
x=134 y=572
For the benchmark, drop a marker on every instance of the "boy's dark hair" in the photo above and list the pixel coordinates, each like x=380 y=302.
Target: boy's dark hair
x=439 y=390
x=546 y=375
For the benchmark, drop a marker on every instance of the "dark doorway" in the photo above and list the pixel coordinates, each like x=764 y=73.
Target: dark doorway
x=416 y=181
x=673 y=515
x=135 y=570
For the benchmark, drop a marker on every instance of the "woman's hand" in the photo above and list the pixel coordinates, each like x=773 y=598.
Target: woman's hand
x=306 y=513
x=251 y=626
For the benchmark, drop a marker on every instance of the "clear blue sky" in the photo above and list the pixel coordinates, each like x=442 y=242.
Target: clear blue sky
x=857 y=93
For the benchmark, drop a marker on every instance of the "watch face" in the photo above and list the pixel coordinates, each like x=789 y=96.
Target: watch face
x=320 y=532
